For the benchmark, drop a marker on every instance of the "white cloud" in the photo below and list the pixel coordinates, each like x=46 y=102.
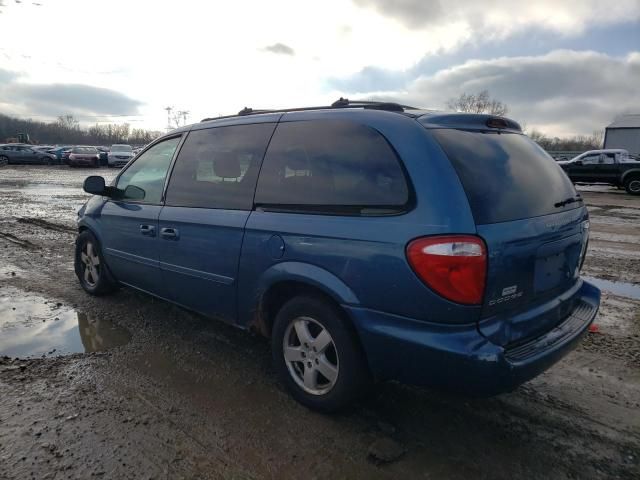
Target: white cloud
x=503 y=17
x=206 y=57
x=209 y=57
x=561 y=93
x=84 y=101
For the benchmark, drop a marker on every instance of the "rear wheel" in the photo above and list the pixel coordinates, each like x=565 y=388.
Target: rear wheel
x=4 y=160
x=632 y=185
x=316 y=355
x=91 y=269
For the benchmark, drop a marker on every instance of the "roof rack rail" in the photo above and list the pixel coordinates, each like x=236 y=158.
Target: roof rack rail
x=372 y=104
x=340 y=103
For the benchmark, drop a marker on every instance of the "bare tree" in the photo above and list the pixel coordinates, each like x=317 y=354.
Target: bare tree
x=478 y=103
x=67 y=122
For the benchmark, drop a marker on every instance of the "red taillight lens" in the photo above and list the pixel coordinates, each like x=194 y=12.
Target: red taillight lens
x=454 y=266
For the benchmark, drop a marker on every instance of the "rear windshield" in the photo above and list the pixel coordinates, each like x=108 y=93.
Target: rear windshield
x=506 y=176
x=84 y=150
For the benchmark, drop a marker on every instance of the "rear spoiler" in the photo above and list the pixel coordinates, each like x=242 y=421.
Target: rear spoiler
x=469 y=121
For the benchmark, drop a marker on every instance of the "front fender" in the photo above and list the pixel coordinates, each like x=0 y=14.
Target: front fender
x=89 y=214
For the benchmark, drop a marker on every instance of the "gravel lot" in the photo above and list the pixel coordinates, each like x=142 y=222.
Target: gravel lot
x=165 y=393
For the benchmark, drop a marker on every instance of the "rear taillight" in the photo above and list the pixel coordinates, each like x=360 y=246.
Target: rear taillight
x=454 y=266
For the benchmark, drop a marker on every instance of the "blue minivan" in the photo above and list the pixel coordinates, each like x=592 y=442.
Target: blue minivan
x=368 y=241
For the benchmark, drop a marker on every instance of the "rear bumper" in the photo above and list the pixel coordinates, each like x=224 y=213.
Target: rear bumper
x=458 y=357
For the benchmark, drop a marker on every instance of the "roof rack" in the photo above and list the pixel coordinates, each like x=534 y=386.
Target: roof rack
x=340 y=103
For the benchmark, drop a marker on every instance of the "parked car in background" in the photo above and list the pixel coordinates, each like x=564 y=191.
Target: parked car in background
x=14 y=153
x=104 y=155
x=609 y=166
x=84 y=156
x=119 y=155
x=44 y=152
x=366 y=241
x=57 y=151
x=65 y=155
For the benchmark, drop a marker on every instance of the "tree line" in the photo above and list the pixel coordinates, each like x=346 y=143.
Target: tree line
x=573 y=144
x=66 y=130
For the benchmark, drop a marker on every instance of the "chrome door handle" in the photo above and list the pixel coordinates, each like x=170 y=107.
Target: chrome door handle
x=148 y=230
x=169 y=233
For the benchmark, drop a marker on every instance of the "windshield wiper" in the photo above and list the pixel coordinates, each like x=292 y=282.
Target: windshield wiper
x=568 y=201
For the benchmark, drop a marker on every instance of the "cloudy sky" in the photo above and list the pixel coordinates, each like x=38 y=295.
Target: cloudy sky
x=562 y=66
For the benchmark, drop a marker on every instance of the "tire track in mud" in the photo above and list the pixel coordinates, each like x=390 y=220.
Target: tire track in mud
x=38 y=222
x=17 y=241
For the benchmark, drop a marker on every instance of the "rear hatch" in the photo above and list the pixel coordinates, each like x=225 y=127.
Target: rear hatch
x=533 y=222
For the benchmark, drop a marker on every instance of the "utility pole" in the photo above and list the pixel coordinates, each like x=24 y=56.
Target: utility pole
x=169 y=110
x=183 y=114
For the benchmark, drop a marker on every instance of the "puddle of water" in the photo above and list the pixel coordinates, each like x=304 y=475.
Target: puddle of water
x=31 y=326
x=621 y=289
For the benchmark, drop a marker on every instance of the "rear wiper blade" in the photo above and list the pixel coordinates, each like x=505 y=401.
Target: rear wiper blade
x=568 y=201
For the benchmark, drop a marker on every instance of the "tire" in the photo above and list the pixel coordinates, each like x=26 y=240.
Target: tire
x=4 y=160
x=336 y=366
x=632 y=185
x=98 y=280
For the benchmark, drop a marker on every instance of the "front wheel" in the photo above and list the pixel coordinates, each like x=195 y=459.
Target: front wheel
x=317 y=356
x=91 y=269
x=4 y=160
x=632 y=185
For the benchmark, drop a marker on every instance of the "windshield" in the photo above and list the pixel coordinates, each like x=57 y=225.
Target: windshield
x=506 y=176
x=121 y=148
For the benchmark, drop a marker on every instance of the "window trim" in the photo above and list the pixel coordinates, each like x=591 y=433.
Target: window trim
x=310 y=209
x=114 y=183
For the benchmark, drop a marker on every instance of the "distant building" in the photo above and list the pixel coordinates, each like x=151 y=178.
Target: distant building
x=624 y=132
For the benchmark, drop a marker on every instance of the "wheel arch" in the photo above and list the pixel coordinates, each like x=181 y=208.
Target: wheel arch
x=286 y=280
x=635 y=172
x=88 y=224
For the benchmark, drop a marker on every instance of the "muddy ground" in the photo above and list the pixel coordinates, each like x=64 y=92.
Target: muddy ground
x=164 y=393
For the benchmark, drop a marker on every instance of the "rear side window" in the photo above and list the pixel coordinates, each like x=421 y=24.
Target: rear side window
x=506 y=176
x=331 y=167
x=218 y=167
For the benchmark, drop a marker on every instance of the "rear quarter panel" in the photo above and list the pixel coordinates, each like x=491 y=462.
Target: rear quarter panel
x=366 y=255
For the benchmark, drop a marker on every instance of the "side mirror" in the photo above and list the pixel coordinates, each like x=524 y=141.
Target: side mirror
x=94 y=185
x=578 y=162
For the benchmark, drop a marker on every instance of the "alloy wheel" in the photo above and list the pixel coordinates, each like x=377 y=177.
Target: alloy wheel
x=90 y=264
x=310 y=355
